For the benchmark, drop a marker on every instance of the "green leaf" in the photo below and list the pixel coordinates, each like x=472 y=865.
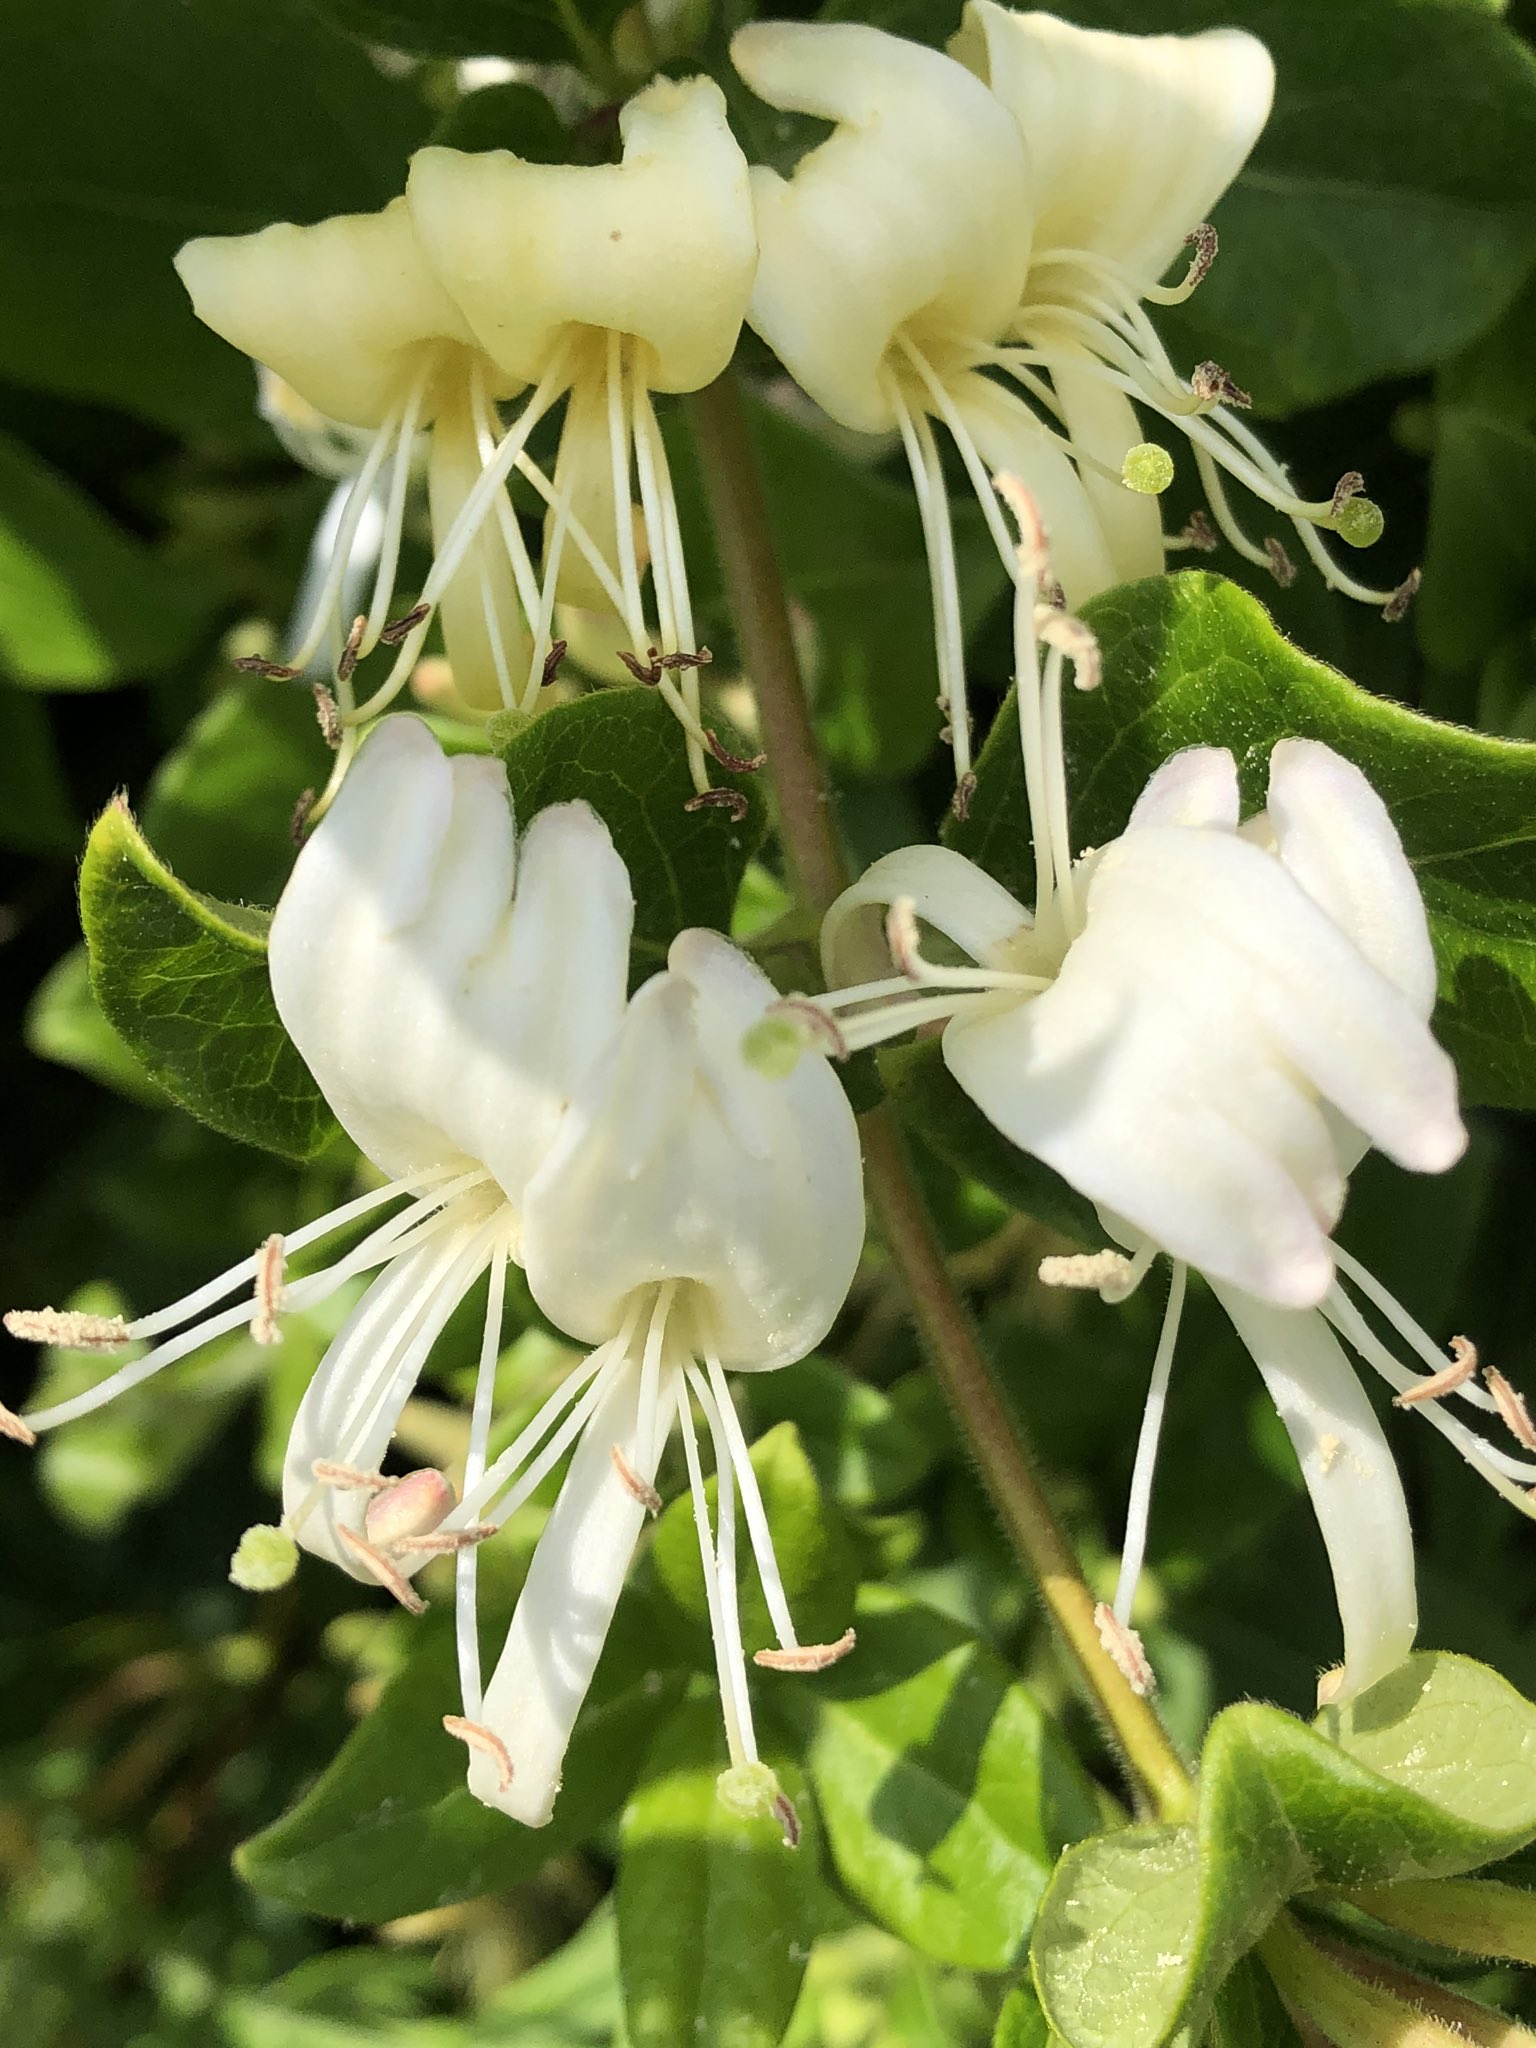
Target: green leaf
x=622 y=752
x=1430 y=1773
x=1192 y=660
x=82 y=603
x=812 y=1547
x=540 y=30
x=945 y=1791
x=127 y=126
x=1021 y=2023
x=183 y=979
x=865 y=1450
x=716 y=1912
x=390 y=1828
x=934 y=1105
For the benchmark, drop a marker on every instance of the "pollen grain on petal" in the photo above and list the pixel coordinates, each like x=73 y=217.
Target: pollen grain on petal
x=475 y=1735
x=1123 y=1647
x=68 y=1329
x=807 y=1657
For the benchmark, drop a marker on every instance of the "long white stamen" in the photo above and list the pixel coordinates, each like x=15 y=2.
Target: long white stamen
x=543 y=628
x=718 y=1406
x=1055 y=778
x=720 y=1587
x=596 y=1376
x=487 y=426
x=595 y=560
x=859 y=1033
x=648 y=430
x=949 y=589
x=323 y=619
x=633 y=607
x=664 y=541
x=667 y=621
x=650 y=1376
x=1405 y=1325
x=1139 y=1508
x=504 y=683
x=904 y=938
x=467 y=1568
x=1026 y=682
x=1508 y=1476
x=943 y=594
x=975 y=468
x=394 y=518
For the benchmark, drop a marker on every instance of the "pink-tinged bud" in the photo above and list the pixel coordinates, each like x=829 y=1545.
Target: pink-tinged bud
x=413 y=1506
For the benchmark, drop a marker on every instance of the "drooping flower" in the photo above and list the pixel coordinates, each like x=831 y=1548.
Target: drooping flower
x=448 y=987
x=1201 y=1028
x=693 y=1219
x=933 y=261
x=607 y=283
x=493 y=280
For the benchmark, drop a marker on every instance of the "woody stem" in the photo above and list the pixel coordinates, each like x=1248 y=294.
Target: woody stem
x=996 y=1440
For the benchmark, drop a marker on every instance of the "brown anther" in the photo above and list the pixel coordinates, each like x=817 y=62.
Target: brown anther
x=349 y=1477
x=269 y=1292
x=1213 y=385
x=642 y=671
x=960 y=802
x=788 y=1819
x=443 y=1542
x=403 y=627
x=1062 y=630
x=328 y=713
x=391 y=1579
x=1513 y=1413
x=1034 y=548
x=700 y=658
x=946 y=735
x=807 y=1656
x=1349 y=485
x=730 y=800
x=11 y=1425
x=1329 y=1685
x=634 y=1484
x=298 y=824
x=1203 y=241
x=1198 y=534
x=1281 y=567
x=552 y=662
x=474 y=1735
x=737 y=764
x=1462 y=1367
x=904 y=939
x=258 y=665
x=1123 y=1647
x=346 y=661
x=1396 y=606
x=70 y=1329
x=823 y=1024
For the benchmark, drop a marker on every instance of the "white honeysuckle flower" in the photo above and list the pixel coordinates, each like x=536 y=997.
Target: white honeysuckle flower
x=1201 y=1028
x=349 y=315
x=693 y=1219
x=607 y=283
x=448 y=985
x=926 y=264
x=1132 y=140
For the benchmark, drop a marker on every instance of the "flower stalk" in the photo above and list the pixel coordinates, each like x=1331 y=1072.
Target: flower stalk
x=994 y=1437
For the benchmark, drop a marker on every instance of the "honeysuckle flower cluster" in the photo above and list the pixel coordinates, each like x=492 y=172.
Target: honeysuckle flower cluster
x=459 y=995
x=1202 y=1026
x=973 y=247
x=495 y=281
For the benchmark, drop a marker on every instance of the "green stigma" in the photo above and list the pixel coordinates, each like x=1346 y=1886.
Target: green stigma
x=265 y=1558
x=750 y=1791
x=773 y=1046
x=1359 y=522
x=1147 y=469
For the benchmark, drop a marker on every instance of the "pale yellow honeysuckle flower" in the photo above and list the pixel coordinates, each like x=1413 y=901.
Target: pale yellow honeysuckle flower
x=930 y=264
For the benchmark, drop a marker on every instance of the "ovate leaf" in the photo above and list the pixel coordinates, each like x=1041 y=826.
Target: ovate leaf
x=1191 y=660
x=717 y=1912
x=622 y=752
x=945 y=1791
x=391 y=1827
x=183 y=980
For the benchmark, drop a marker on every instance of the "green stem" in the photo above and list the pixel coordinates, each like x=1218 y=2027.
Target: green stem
x=756 y=588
